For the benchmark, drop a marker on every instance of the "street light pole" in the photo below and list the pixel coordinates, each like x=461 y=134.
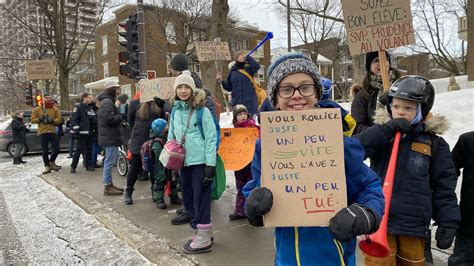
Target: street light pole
x=141 y=39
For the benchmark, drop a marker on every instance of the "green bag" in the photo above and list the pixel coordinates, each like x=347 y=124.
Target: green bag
x=218 y=186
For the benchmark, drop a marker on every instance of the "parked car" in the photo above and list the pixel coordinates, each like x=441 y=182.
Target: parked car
x=33 y=143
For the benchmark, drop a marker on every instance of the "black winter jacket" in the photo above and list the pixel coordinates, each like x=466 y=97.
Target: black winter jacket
x=463 y=157
x=82 y=120
x=110 y=122
x=140 y=130
x=18 y=130
x=413 y=201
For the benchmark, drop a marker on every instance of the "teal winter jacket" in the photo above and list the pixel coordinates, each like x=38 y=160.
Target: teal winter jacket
x=199 y=150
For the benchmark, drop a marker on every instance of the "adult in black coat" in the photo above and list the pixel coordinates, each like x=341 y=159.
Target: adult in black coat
x=141 y=120
x=365 y=100
x=110 y=135
x=82 y=124
x=463 y=157
x=19 y=137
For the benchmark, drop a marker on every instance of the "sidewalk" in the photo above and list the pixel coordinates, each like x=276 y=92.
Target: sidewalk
x=236 y=242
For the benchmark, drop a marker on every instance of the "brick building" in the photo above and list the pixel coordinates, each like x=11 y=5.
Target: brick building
x=163 y=39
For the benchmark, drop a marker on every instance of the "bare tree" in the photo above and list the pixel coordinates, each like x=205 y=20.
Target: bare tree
x=435 y=35
x=65 y=29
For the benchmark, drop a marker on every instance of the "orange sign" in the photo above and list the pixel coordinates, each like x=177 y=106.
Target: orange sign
x=237 y=147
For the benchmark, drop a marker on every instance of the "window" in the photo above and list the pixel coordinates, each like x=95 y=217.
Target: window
x=170 y=32
x=106 y=69
x=261 y=74
x=104 y=45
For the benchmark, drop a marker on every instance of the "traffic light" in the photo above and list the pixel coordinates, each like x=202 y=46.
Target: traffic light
x=29 y=94
x=129 y=63
x=39 y=100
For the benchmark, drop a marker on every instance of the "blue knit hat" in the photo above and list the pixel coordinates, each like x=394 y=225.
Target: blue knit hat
x=287 y=64
x=327 y=91
x=158 y=125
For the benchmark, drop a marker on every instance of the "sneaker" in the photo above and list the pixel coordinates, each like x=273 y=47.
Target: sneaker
x=201 y=241
x=110 y=190
x=235 y=216
x=183 y=218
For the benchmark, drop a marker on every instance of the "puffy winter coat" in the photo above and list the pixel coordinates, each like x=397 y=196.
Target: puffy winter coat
x=316 y=245
x=110 y=122
x=18 y=130
x=463 y=157
x=414 y=199
x=51 y=112
x=199 y=150
x=241 y=87
x=82 y=120
x=140 y=131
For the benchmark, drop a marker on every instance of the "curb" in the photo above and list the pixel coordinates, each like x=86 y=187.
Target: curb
x=149 y=245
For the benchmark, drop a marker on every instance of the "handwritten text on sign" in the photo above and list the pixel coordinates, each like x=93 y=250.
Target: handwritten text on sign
x=161 y=87
x=237 y=147
x=209 y=51
x=303 y=166
x=374 y=25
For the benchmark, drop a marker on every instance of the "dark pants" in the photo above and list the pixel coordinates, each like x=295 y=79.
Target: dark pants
x=160 y=184
x=196 y=197
x=84 y=147
x=47 y=138
x=18 y=148
x=463 y=253
x=241 y=178
x=135 y=168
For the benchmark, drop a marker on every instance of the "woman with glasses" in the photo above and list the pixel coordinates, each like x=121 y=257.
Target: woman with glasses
x=294 y=85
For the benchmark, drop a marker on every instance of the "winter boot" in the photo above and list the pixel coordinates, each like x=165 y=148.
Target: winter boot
x=128 y=196
x=47 y=169
x=54 y=166
x=110 y=190
x=175 y=200
x=72 y=170
x=235 y=216
x=201 y=241
x=160 y=203
x=16 y=161
x=90 y=168
x=117 y=188
x=182 y=218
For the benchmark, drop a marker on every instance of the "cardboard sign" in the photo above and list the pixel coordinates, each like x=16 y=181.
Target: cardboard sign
x=303 y=166
x=377 y=25
x=237 y=147
x=40 y=69
x=209 y=51
x=161 y=87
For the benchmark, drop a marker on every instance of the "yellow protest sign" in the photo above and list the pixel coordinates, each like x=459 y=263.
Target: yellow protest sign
x=377 y=25
x=303 y=166
x=237 y=147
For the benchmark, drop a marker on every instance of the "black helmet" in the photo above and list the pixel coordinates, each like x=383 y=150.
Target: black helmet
x=413 y=88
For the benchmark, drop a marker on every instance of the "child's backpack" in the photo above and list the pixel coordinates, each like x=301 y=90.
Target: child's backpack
x=146 y=153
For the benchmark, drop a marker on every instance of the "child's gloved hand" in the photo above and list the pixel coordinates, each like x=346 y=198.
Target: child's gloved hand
x=444 y=237
x=353 y=221
x=259 y=203
x=399 y=124
x=208 y=176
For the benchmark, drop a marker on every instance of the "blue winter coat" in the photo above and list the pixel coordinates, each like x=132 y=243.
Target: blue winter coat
x=316 y=245
x=199 y=150
x=413 y=201
x=241 y=87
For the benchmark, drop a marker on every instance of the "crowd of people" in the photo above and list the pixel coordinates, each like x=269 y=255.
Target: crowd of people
x=425 y=177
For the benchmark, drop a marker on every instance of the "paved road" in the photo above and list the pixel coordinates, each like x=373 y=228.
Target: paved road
x=39 y=225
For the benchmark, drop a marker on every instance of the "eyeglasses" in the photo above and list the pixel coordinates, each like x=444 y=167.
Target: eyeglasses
x=305 y=90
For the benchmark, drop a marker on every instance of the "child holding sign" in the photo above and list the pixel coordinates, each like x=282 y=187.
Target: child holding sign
x=425 y=177
x=294 y=85
x=241 y=119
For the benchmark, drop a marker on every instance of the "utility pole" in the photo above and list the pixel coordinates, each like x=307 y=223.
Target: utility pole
x=141 y=39
x=288 y=21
